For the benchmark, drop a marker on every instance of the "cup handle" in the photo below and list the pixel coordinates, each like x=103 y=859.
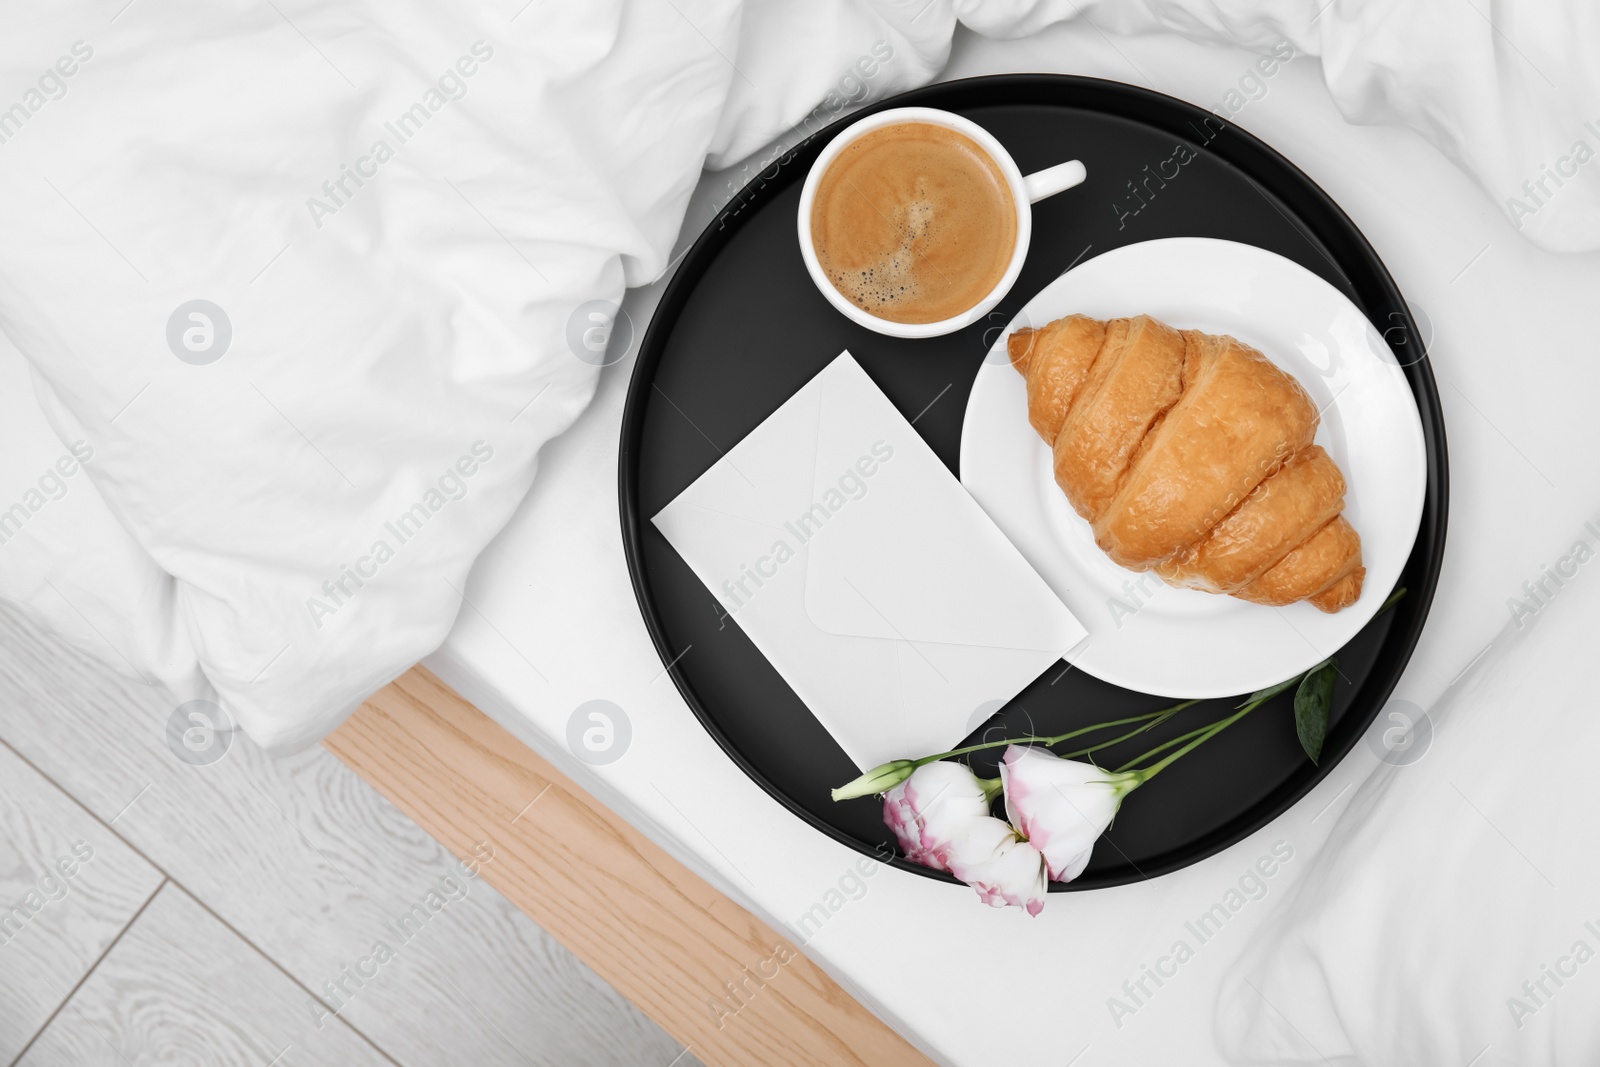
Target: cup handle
x=1053 y=180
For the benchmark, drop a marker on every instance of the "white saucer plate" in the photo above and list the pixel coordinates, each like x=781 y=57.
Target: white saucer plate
x=1143 y=634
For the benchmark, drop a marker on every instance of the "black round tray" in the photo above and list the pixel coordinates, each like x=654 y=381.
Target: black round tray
x=741 y=328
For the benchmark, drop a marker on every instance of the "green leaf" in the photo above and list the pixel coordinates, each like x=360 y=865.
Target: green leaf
x=1312 y=703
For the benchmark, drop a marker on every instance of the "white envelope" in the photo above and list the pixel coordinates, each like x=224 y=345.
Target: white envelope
x=861 y=569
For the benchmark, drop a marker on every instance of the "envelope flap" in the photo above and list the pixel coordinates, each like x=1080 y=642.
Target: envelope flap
x=897 y=549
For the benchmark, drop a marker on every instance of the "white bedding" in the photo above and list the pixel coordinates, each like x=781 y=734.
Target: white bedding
x=1452 y=918
x=410 y=215
x=407 y=214
x=431 y=311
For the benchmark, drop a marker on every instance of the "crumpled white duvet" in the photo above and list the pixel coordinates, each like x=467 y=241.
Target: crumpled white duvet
x=1451 y=918
x=407 y=223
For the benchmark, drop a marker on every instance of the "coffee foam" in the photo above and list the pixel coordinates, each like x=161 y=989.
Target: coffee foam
x=914 y=223
x=893 y=277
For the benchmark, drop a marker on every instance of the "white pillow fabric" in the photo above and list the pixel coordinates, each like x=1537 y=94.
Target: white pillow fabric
x=1451 y=917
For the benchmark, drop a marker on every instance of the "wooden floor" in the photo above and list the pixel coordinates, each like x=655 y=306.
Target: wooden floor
x=282 y=911
x=155 y=912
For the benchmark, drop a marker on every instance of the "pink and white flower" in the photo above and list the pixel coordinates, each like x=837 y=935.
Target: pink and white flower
x=1057 y=809
x=989 y=855
x=1061 y=806
x=940 y=814
x=930 y=807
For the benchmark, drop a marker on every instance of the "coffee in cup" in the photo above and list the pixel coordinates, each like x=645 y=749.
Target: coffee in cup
x=914 y=223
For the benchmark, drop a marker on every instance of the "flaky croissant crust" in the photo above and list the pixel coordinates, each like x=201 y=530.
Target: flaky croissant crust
x=1191 y=455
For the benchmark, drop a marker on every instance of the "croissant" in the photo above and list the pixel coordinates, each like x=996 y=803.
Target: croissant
x=1191 y=455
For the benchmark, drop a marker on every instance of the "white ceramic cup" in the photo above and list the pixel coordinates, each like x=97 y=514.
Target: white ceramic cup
x=1025 y=192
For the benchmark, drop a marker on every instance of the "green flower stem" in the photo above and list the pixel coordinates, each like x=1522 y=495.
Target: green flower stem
x=1135 y=732
x=885 y=777
x=1394 y=598
x=1150 y=772
x=882 y=778
x=1058 y=738
x=1182 y=738
x=1195 y=738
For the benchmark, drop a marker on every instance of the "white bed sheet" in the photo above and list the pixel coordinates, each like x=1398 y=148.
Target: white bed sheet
x=1509 y=328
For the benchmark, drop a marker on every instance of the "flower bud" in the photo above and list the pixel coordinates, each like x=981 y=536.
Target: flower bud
x=880 y=779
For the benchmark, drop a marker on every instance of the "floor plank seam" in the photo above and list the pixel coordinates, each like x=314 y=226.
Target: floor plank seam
x=166 y=879
x=67 y=998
